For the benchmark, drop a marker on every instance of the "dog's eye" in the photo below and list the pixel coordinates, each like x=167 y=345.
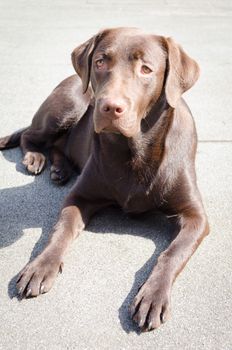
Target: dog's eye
x=100 y=63
x=145 y=69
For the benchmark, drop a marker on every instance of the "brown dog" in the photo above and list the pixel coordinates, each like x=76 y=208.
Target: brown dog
x=134 y=140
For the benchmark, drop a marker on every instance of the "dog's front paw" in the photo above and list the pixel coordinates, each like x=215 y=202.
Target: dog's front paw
x=34 y=162
x=38 y=276
x=151 y=306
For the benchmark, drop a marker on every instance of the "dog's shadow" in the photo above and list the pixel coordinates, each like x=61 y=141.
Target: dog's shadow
x=37 y=204
x=154 y=226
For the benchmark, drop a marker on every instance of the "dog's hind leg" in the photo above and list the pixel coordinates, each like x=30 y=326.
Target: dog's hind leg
x=61 y=169
x=32 y=143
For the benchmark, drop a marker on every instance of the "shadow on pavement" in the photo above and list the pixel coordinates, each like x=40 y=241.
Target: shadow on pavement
x=37 y=205
x=34 y=205
x=154 y=226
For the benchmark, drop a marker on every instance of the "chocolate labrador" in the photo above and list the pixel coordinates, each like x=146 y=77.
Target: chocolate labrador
x=125 y=126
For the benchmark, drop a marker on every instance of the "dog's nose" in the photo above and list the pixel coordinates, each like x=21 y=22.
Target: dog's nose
x=112 y=108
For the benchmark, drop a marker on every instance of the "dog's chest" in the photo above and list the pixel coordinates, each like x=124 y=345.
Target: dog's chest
x=137 y=201
x=132 y=187
x=132 y=195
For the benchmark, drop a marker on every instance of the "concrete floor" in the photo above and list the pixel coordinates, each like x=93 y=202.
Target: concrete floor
x=88 y=306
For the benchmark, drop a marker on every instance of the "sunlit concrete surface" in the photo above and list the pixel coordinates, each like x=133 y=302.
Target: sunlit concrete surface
x=88 y=306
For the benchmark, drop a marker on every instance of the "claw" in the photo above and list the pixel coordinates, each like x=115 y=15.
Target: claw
x=41 y=289
x=20 y=291
x=141 y=323
x=28 y=293
x=135 y=306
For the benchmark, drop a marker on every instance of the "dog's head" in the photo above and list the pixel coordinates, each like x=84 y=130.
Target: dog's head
x=128 y=71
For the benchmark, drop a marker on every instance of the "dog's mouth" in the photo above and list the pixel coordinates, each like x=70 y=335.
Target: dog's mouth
x=126 y=128
x=117 y=131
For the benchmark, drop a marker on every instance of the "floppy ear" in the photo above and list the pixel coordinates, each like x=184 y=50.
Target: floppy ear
x=183 y=72
x=82 y=59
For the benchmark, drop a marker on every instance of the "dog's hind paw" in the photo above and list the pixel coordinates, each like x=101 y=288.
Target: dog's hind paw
x=34 y=162
x=60 y=175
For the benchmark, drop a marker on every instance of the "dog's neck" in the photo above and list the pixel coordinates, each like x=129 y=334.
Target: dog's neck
x=147 y=147
x=143 y=152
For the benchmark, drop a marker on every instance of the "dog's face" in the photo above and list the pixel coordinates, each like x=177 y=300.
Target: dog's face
x=128 y=71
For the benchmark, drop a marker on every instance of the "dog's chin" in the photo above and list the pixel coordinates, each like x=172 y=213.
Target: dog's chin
x=117 y=130
x=110 y=130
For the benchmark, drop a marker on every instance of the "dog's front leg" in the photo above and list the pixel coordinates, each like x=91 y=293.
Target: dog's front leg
x=38 y=276
x=87 y=196
x=151 y=306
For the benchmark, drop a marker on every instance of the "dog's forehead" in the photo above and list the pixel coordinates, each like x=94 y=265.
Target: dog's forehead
x=132 y=42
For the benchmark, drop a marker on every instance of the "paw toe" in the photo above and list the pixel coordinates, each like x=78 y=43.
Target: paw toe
x=151 y=307
x=34 y=162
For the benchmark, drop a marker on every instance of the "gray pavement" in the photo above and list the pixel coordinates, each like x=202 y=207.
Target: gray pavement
x=87 y=308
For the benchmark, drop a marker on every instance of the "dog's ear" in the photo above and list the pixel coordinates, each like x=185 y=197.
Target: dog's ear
x=82 y=59
x=182 y=74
